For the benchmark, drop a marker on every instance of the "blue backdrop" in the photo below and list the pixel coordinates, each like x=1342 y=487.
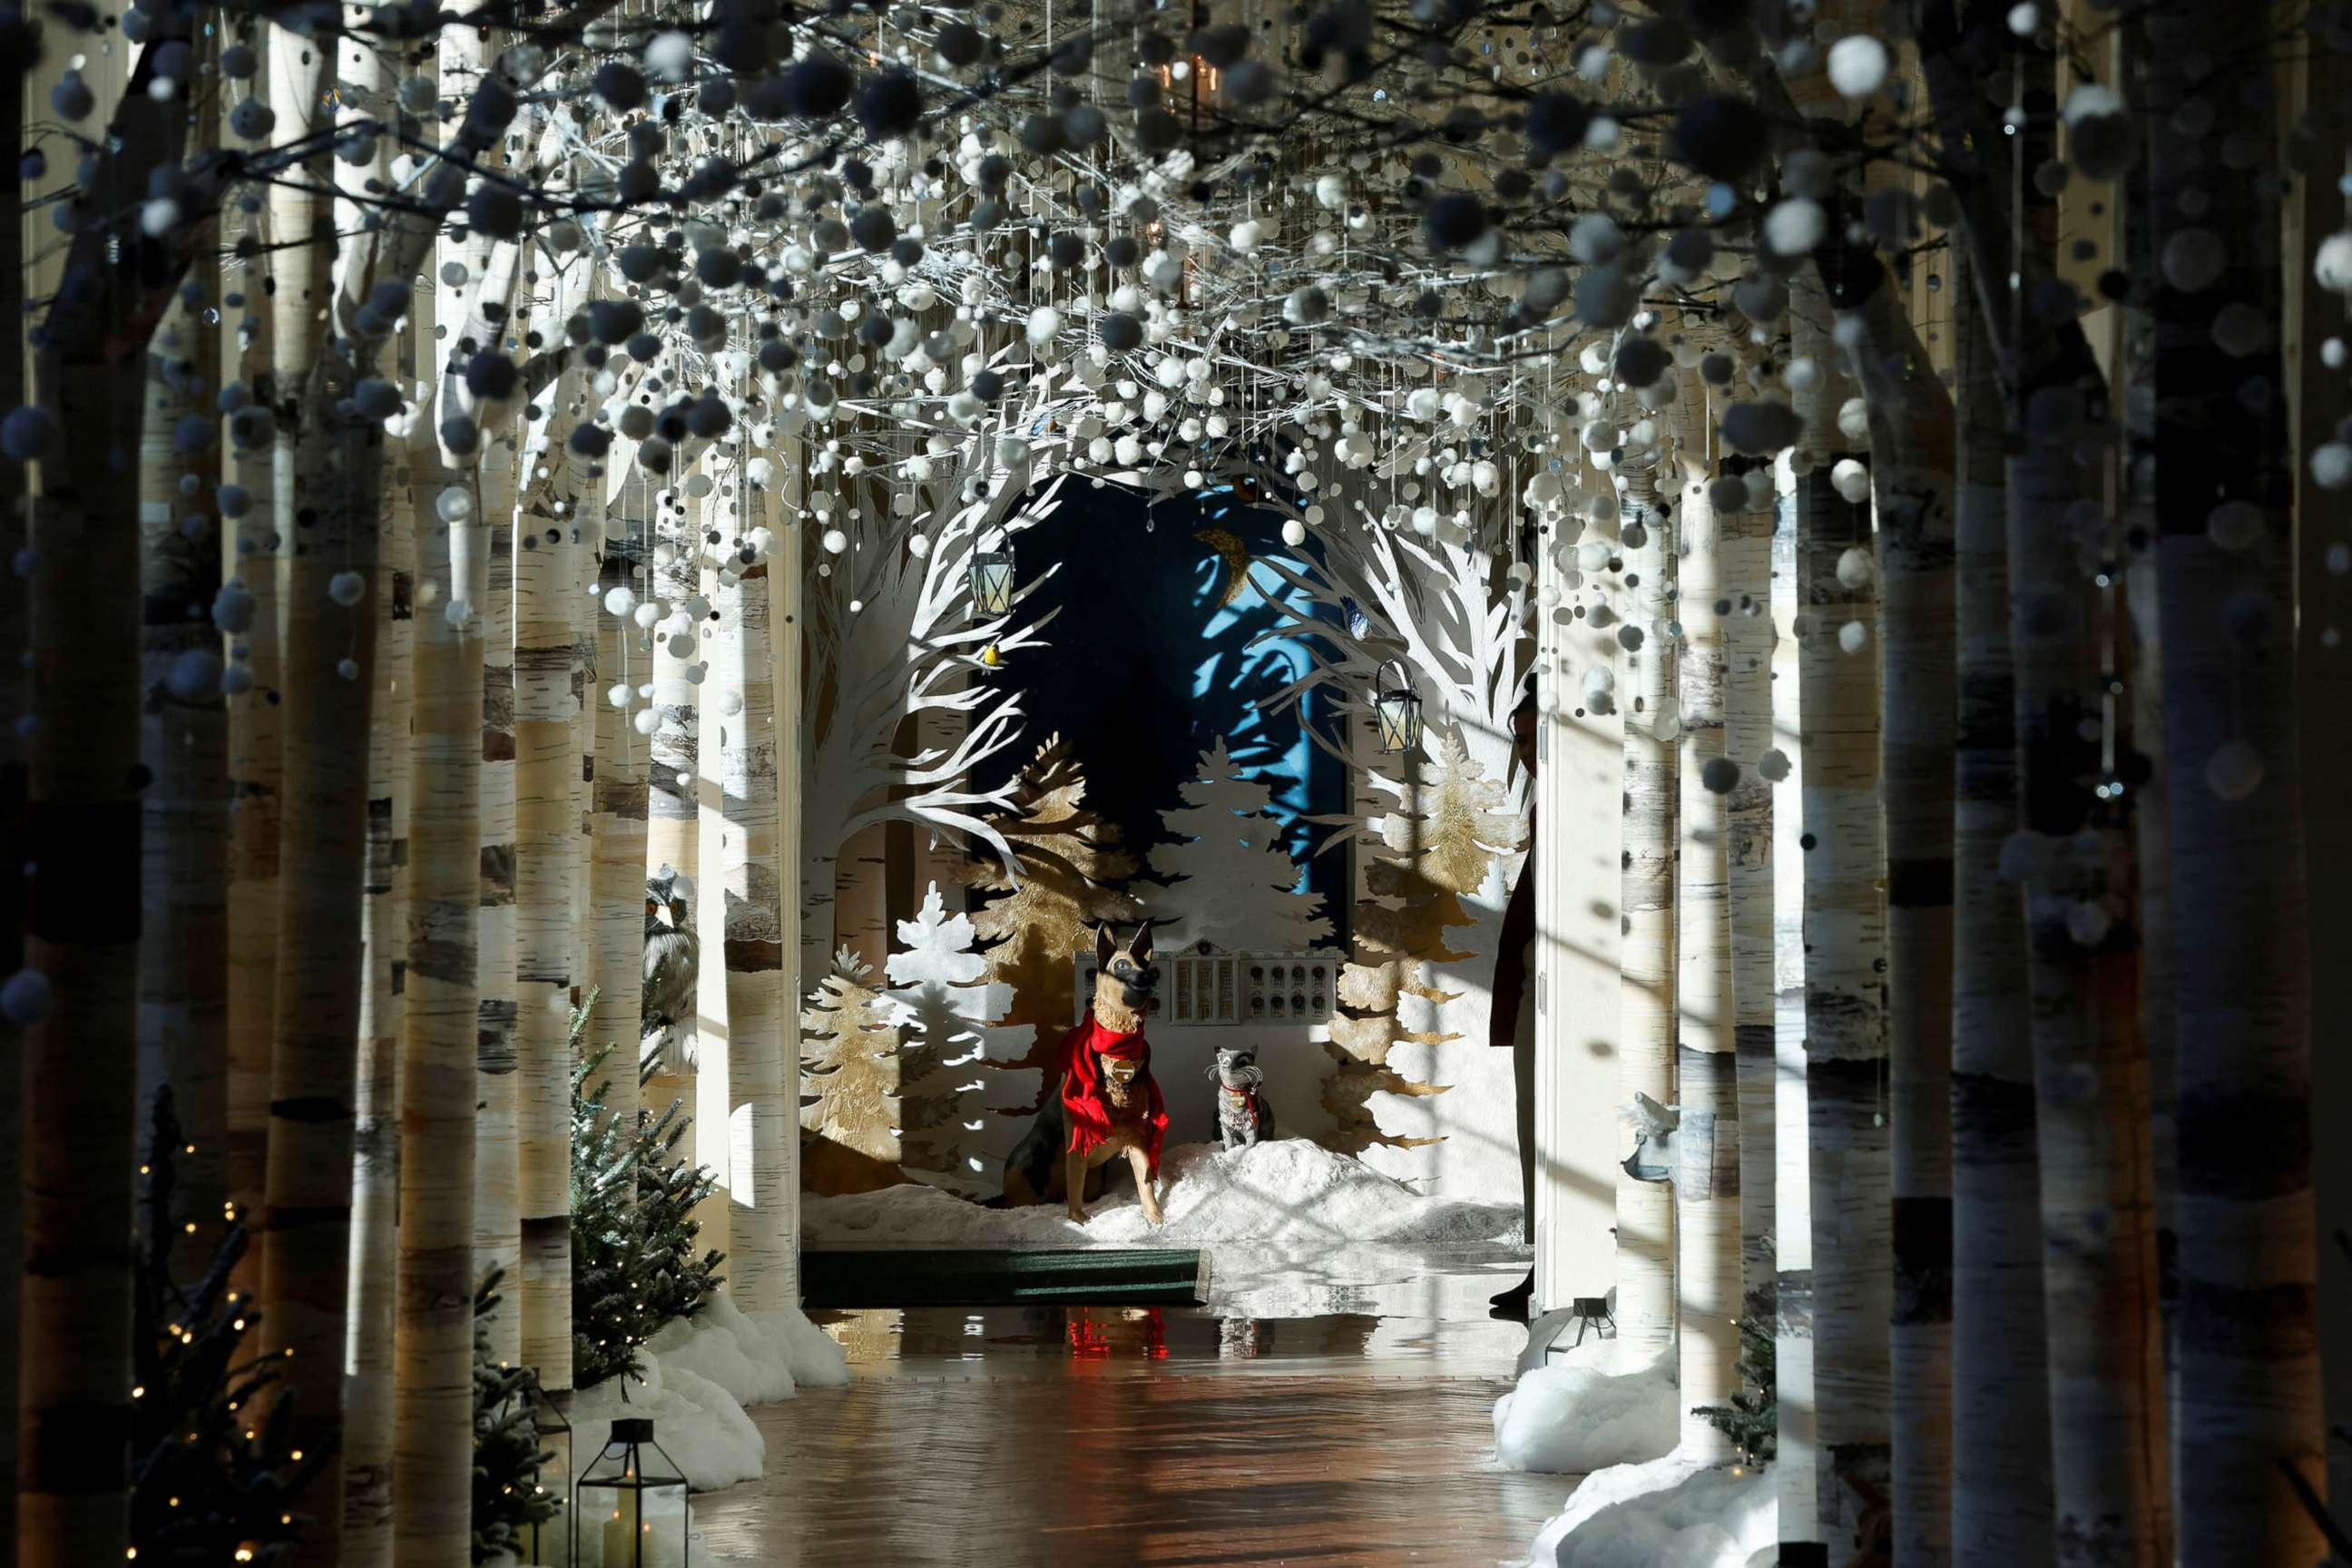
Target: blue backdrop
x=1149 y=664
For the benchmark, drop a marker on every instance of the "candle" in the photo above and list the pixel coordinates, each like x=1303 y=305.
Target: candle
x=617 y=1534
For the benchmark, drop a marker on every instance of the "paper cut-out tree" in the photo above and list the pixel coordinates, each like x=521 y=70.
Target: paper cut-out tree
x=961 y=1084
x=849 y=1057
x=1230 y=880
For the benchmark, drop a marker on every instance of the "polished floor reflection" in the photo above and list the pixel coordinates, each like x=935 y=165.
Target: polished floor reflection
x=1148 y=1436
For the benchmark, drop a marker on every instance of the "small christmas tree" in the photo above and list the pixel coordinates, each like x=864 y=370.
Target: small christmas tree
x=1072 y=871
x=633 y=1230
x=850 y=1051
x=509 y=1496
x=1752 y=1421
x=959 y=1078
x=207 y=1481
x=1230 y=880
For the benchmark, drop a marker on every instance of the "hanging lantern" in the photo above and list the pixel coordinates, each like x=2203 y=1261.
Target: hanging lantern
x=1397 y=710
x=992 y=583
x=543 y=1539
x=628 y=1508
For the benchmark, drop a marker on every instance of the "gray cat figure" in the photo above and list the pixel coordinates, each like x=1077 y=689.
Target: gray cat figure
x=1244 y=1115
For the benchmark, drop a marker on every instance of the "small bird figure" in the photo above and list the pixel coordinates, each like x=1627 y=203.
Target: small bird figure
x=673 y=954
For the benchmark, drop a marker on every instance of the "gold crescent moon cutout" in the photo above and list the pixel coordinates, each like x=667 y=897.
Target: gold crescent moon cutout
x=1236 y=558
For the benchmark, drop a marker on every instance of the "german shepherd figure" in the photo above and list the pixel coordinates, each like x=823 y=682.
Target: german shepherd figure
x=1105 y=1103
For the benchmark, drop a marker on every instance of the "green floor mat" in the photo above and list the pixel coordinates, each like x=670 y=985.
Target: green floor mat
x=882 y=1277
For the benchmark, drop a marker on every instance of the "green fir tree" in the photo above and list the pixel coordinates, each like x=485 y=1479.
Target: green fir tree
x=509 y=1496
x=633 y=1267
x=207 y=1481
x=1752 y=1421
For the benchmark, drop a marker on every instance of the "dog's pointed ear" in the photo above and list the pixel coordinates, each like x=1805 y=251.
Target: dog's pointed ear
x=1103 y=944
x=1139 y=949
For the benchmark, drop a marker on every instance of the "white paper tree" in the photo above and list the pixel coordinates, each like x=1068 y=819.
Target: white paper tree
x=959 y=1098
x=1230 y=880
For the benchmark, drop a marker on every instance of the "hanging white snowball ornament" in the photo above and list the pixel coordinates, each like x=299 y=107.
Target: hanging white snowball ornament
x=26 y=999
x=233 y=607
x=2088 y=923
x=347 y=588
x=2234 y=526
x=621 y=602
x=1793 y=227
x=1853 y=636
x=1855 y=569
x=2192 y=259
x=1043 y=322
x=918 y=545
x=1857 y=65
x=2331 y=266
x=730 y=703
x=454 y=504
x=2234 y=771
x=1772 y=767
x=1245 y=236
x=835 y=542
x=1294 y=532
x=617 y=694
x=645 y=720
x=348 y=669
x=2331 y=466
x=2024 y=17
x=196 y=675
x=1851 y=481
x=647 y=615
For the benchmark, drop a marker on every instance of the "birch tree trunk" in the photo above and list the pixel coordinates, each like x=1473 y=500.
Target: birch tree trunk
x=259 y=560
x=2001 y=1429
x=762 y=1165
x=617 y=883
x=376 y=1165
x=1910 y=424
x=2249 y=1384
x=673 y=808
x=547 y=754
x=1845 y=948
x=83 y=826
x=1708 y=1160
x=1745 y=549
x=1645 y=1215
x=183 y=745
x=498 y=1211
x=1797 y=1465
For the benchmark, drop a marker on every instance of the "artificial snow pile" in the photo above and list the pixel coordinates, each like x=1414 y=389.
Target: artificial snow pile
x=1675 y=1511
x=698 y=1375
x=1288 y=1190
x=1595 y=1406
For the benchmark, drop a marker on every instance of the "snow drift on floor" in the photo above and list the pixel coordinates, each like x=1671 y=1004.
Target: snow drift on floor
x=1288 y=1190
x=699 y=1373
x=1587 y=1409
x=1674 y=1512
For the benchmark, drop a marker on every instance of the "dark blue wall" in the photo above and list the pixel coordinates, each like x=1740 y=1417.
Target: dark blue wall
x=1145 y=668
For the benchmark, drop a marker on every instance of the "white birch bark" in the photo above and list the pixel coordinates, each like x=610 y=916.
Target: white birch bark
x=1745 y=549
x=1645 y=682
x=617 y=879
x=498 y=1171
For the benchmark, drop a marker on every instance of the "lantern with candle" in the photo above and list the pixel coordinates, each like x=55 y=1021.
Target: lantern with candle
x=992 y=581
x=1396 y=710
x=628 y=1508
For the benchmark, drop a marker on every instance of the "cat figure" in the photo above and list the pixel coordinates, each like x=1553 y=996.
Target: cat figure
x=1244 y=1115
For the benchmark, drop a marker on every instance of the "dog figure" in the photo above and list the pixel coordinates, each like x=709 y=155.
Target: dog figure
x=1244 y=1113
x=1108 y=1103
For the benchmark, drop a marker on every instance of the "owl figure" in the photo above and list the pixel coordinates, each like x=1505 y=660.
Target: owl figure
x=673 y=956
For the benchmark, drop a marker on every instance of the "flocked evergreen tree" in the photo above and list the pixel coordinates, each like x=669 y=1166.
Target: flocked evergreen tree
x=633 y=1267
x=850 y=1072
x=206 y=1484
x=510 y=1496
x=1751 y=1420
x=1232 y=881
x=958 y=1073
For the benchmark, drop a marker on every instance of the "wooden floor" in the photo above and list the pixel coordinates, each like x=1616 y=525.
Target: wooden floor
x=1021 y=1438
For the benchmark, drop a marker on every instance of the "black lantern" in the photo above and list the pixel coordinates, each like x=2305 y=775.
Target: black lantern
x=992 y=583
x=628 y=1508
x=1397 y=710
x=545 y=1537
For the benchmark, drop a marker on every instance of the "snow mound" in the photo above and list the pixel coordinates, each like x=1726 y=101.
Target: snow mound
x=1675 y=1511
x=1288 y=1190
x=698 y=1423
x=1592 y=1408
x=814 y=1357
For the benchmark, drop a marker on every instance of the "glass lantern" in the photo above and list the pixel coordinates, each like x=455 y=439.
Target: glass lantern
x=546 y=1542
x=628 y=1508
x=992 y=583
x=1397 y=710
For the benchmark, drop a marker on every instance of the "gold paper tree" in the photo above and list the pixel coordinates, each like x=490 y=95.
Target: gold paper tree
x=850 y=1051
x=1071 y=869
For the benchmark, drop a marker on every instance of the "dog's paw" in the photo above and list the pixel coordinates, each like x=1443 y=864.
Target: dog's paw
x=1078 y=1215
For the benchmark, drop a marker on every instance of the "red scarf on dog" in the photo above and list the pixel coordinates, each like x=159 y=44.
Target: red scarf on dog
x=1088 y=1113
